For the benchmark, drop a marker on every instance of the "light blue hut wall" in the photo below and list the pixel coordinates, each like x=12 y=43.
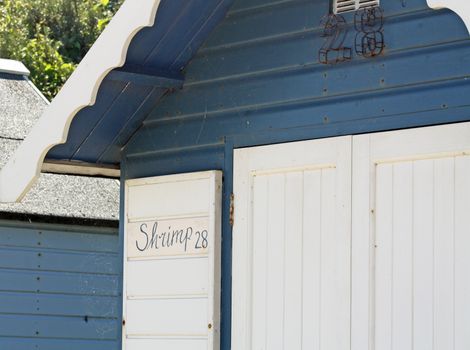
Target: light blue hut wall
x=58 y=287
x=257 y=80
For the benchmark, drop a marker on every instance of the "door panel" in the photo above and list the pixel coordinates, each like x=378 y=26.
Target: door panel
x=398 y=280
x=411 y=201
x=172 y=235
x=291 y=249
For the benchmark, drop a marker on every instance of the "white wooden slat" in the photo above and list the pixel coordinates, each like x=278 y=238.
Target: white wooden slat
x=260 y=263
x=336 y=300
x=342 y=6
x=165 y=277
x=462 y=253
x=276 y=262
x=154 y=201
x=282 y=158
x=332 y=284
x=414 y=144
x=167 y=317
x=311 y=255
x=384 y=257
x=423 y=253
x=362 y=242
x=444 y=253
x=341 y=245
x=167 y=344
x=293 y=260
x=402 y=257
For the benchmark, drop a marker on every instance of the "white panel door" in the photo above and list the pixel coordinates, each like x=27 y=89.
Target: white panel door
x=291 y=246
x=172 y=262
x=411 y=239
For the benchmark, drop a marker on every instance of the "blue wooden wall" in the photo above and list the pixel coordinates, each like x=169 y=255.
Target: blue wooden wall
x=58 y=287
x=257 y=80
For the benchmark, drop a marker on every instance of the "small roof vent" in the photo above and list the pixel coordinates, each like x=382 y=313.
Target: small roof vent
x=342 y=6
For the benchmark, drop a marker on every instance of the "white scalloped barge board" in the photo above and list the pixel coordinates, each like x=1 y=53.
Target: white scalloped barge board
x=460 y=7
x=80 y=90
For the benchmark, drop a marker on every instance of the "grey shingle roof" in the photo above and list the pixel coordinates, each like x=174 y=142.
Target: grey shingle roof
x=21 y=105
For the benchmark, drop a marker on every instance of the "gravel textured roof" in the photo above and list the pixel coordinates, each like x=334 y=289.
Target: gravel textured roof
x=21 y=105
x=70 y=196
x=7 y=148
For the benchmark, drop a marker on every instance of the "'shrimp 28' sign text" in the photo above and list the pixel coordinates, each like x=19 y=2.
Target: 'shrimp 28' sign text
x=186 y=236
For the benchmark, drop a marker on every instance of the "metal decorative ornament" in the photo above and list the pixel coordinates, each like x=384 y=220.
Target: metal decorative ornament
x=369 y=40
x=333 y=50
x=369 y=24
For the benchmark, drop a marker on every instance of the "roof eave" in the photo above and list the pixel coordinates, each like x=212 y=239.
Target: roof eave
x=80 y=90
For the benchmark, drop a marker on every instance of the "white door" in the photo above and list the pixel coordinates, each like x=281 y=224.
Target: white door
x=172 y=262
x=291 y=246
x=411 y=239
x=391 y=271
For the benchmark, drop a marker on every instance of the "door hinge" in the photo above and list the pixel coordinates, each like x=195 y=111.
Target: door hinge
x=232 y=209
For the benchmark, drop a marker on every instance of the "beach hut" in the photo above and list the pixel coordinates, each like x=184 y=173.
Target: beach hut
x=294 y=174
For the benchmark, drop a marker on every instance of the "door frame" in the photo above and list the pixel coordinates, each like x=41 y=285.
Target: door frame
x=362 y=236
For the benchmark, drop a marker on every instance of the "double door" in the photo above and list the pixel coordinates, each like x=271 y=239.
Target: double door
x=356 y=242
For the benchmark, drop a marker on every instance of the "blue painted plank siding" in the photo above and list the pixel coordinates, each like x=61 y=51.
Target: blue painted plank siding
x=252 y=78
x=59 y=287
x=256 y=80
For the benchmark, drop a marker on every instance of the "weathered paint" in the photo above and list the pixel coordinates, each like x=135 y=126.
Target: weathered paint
x=257 y=80
x=58 y=287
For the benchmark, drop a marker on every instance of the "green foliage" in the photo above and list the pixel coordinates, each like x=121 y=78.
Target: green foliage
x=51 y=36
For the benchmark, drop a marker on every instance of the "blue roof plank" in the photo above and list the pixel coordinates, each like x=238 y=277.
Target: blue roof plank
x=86 y=120
x=113 y=150
x=111 y=122
x=147 y=39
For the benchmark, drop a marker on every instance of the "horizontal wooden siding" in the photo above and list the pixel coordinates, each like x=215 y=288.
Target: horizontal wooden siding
x=58 y=287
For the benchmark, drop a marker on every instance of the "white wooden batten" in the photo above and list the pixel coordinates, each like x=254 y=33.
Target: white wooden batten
x=107 y=53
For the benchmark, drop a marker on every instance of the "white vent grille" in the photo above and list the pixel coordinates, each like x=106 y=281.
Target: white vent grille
x=342 y=6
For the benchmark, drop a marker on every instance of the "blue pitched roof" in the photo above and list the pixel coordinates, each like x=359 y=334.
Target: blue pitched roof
x=154 y=65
